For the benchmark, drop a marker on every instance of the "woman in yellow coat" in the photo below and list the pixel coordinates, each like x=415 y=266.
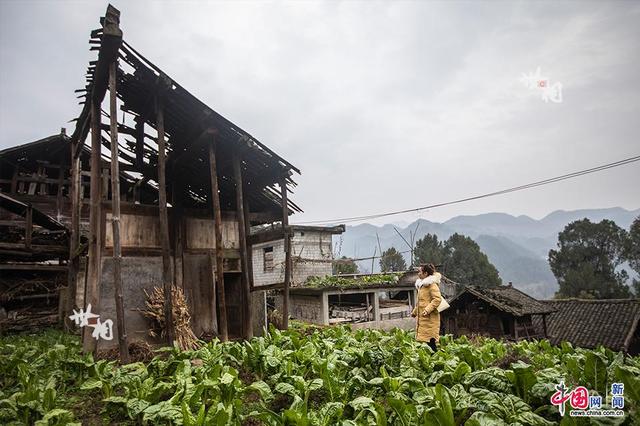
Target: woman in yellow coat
x=426 y=310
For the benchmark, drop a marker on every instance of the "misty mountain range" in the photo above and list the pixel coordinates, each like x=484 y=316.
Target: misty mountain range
x=517 y=246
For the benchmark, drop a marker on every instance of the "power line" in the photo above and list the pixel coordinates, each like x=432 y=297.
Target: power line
x=476 y=197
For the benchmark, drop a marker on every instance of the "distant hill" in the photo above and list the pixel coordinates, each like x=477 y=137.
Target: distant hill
x=517 y=245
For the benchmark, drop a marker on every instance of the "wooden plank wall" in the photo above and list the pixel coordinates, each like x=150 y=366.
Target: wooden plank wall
x=200 y=233
x=143 y=231
x=200 y=292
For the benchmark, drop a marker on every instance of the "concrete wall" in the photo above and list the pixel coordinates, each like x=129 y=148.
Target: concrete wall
x=312 y=256
x=303 y=307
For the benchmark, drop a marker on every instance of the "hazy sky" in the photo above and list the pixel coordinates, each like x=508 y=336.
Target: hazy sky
x=382 y=105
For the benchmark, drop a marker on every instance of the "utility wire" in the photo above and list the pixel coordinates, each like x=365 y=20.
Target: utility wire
x=490 y=194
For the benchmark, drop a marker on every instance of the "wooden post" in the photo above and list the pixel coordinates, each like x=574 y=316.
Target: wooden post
x=247 y=326
x=544 y=325
x=287 y=254
x=94 y=266
x=178 y=270
x=217 y=217
x=74 y=243
x=247 y=222
x=177 y=189
x=115 y=216
x=515 y=327
x=164 y=225
x=59 y=199
x=28 y=230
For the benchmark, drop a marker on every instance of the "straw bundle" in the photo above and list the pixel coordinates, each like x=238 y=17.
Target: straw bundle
x=181 y=318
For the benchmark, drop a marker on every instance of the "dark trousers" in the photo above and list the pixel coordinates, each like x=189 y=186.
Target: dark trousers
x=432 y=344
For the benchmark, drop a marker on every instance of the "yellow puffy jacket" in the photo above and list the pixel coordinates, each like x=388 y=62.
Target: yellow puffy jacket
x=426 y=310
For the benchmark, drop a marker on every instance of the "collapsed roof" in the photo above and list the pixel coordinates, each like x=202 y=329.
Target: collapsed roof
x=189 y=126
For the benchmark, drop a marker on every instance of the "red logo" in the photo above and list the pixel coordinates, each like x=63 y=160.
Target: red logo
x=580 y=398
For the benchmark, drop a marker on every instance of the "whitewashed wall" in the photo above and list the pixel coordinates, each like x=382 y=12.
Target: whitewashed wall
x=314 y=248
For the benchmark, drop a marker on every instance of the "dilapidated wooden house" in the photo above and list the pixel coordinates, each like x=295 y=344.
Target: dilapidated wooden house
x=168 y=189
x=500 y=312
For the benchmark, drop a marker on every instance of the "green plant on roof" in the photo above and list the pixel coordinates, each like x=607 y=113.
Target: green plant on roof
x=355 y=282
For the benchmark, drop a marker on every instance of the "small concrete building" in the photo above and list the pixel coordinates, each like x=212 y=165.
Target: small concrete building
x=311 y=254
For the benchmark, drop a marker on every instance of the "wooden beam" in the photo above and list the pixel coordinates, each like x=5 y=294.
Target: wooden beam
x=111 y=40
x=247 y=327
x=287 y=255
x=19 y=248
x=94 y=266
x=164 y=224
x=115 y=216
x=74 y=243
x=217 y=218
x=32 y=267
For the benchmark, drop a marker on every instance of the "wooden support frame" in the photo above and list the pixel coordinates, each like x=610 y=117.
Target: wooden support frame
x=94 y=265
x=115 y=216
x=217 y=217
x=164 y=224
x=247 y=327
x=287 y=256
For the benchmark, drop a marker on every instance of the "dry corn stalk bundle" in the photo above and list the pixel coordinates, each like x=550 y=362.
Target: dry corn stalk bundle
x=181 y=317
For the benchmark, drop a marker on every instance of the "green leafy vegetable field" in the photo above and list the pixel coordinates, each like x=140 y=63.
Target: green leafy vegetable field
x=308 y=376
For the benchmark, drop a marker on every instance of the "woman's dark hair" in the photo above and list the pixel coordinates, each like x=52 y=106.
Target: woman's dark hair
x=428 y=268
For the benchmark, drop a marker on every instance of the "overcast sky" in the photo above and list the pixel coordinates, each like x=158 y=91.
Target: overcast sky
x=382 y=105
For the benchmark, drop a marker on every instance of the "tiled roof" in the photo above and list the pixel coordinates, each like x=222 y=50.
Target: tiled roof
x=508 y=299
x=590 y=323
